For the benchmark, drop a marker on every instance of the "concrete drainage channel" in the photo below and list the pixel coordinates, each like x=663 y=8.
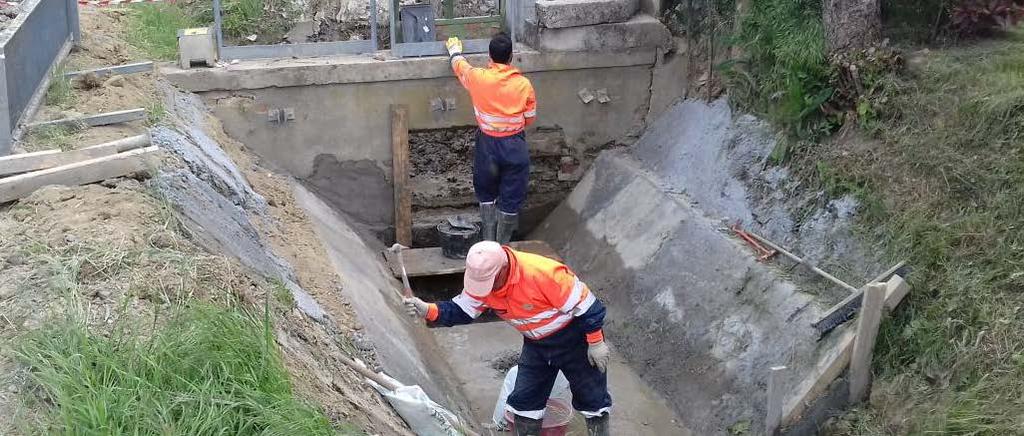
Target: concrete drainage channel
x=696 y=321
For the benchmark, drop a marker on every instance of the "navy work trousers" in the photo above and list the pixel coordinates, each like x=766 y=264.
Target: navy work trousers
x=539 y=364
x=501 y=170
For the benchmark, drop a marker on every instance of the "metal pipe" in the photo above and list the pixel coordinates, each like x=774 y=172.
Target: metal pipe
x=373 y=24
x=393 y=9
x=796 y=259
x=217 y=31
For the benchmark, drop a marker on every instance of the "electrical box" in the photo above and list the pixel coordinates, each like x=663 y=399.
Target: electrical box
x=196 y=46
x=417 y=23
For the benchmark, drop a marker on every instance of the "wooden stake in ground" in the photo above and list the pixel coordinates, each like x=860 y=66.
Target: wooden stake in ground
x=864 y=345
x=400 y=173
x=832 y=364
x=773 y=418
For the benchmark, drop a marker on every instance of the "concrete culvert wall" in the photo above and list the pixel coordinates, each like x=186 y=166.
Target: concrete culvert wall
x=690 y=307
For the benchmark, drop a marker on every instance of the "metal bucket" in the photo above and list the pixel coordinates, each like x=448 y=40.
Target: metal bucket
x=456 y=240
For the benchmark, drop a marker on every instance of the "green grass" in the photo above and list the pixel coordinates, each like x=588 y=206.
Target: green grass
x=50 y=137
x=153 y=28
x=207 y=371
x=60 y=93
x=156 y=112
x=949 y=174
x=784 y=75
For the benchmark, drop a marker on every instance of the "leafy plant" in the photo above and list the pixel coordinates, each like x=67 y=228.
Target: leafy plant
x=981 y=17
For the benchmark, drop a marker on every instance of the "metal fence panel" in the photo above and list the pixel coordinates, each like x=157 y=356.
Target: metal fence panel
x=32 y=45
x=31 y=50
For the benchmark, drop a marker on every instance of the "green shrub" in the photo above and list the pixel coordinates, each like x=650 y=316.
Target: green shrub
x=785 y=74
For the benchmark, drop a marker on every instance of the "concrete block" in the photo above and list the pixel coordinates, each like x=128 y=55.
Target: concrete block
x=556 y=14
x=196 y=45
x=641 y=31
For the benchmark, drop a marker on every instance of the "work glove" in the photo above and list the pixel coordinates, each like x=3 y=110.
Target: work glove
x=415 y=307
x=598 y=355
x=454 y=46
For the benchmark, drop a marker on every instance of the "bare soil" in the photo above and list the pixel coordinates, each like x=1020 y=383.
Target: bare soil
x=442 y=170
x=91 y=96
x=120 y=253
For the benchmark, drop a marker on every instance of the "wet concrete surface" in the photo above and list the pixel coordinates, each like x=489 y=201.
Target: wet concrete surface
x=472 y=350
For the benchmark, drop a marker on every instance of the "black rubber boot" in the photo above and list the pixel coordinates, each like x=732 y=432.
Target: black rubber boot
x=508 y=223
x=527 y=426
x=598 y=425
x=488 y=221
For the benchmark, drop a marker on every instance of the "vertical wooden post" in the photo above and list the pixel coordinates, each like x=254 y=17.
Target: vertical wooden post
x=773 y=419
x=864 y=345
x=400 y=173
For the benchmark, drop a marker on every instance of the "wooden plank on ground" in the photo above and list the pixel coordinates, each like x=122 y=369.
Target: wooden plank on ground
x=117 y=70
x=80 y=173
x=773 y=416
x=863 y=347
x=832 y=364
x=423 y=262
x=41 y=160
x=400 y=173
x=93 y=120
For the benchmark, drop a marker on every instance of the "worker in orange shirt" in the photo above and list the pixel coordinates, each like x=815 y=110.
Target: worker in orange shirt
x=505 y=105
x=561 y=321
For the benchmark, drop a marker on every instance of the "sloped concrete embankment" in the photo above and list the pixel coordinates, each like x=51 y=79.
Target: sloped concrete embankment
x=218 y=205
x=690 y=308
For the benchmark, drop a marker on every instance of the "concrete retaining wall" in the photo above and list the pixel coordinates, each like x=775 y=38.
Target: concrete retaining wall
x=690 y=307
x=339 y=141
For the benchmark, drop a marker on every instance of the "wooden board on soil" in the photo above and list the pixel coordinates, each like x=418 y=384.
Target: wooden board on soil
x=422 y=262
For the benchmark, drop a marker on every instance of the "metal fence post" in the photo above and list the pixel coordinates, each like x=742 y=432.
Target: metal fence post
x=373 y=23
x=73 y=26
x=513 y=11
x=217 y=32
x=6 y=137
x=392 y=11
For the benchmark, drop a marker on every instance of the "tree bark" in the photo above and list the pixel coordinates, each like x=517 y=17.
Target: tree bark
x=851 y=24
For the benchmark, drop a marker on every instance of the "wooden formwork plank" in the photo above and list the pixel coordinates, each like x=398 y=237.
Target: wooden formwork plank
x=400 y=173
x=80 y=173
x=832 y=364
x=41 y=160
x=94 y=120
x=117 y=70
x=423 y=262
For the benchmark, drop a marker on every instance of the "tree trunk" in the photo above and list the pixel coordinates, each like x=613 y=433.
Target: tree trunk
x=851 y=24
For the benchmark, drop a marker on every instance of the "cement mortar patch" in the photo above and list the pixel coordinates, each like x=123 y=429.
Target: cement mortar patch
x=696 y=315
x=406 y=349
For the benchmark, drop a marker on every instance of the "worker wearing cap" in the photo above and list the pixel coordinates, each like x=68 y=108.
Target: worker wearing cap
x=559 y=317
x=504 y=104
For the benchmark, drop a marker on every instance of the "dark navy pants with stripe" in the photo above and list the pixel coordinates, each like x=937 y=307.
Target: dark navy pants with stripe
x=540 y=362
x=501 y=170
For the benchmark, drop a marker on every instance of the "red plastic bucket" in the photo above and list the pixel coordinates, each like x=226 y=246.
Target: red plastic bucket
x=557 y=416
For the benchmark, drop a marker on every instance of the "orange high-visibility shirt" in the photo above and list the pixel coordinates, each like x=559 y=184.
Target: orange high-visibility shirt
x=503 y=98
x=540 y=297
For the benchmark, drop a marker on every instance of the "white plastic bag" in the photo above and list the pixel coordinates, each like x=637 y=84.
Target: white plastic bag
x=425 y=417
x=560 y=391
